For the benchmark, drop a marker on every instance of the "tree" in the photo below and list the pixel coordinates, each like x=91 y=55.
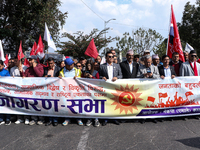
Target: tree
x=139 y=41
x=189 y=28
x=78 y=43
x=161 y=48
x=24 y=20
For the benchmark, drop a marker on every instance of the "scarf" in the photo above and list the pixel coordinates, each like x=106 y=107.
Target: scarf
x=194 y=68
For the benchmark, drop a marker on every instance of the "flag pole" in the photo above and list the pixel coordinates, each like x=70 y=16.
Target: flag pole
x=170 y=18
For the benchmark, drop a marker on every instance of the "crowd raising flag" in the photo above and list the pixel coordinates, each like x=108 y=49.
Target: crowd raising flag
x=1 y=52
x=188 y=47
x=92 y=50
x=33 y=50
x=48 y=38
x=174 y=43
x=20 y=54
x=40 y=48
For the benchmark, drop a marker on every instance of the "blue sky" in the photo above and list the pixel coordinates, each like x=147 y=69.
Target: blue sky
x=133 y=14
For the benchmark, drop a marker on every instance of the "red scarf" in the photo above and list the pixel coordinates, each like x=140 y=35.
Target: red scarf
x=194 y=68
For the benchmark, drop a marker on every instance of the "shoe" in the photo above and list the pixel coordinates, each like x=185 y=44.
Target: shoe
x=55 y=123
x=80 y=123
x=48 y=123
x=40 y=122
x=96 y=123
x=8 y=122
x=105 y=122
x=32 y=122
x=26 y=121
x=2 y=122
x=65 y=123
x=116 y=122
x=19 y=121
x=89 y=122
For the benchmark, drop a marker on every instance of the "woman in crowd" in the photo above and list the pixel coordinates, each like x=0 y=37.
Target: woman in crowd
x=61 y=64
x=90 y=72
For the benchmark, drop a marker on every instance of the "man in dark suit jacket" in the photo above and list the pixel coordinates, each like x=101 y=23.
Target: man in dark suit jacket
x=129 y=68
x=51 y=70
x=110 y=70
x=176 y=63
x=166 y=70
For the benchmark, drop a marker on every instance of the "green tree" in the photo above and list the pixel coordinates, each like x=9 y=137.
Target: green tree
x=189 y=28
x=77 y=44
x=161 y=48
x=24 y=20
x=139 y=41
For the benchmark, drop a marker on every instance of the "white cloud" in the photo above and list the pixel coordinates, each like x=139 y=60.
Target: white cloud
x=148 y=3
x=134 y=13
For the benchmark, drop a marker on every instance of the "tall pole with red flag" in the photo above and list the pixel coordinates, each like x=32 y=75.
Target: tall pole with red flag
x=20 y=52
x=174 y=42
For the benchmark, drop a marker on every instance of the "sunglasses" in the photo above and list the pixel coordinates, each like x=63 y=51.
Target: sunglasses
x=130 y=55
x=194 y=55
x=78 y=66
x=110 y=56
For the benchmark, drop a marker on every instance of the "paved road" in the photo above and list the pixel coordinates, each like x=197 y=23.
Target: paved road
x=177 y=135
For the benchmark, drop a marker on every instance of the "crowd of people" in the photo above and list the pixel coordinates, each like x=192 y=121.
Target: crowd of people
x=135 y=66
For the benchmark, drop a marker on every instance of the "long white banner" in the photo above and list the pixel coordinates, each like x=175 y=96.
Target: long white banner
x=91 y=98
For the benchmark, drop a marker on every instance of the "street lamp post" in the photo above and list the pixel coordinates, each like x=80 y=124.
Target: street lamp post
x=105 y=23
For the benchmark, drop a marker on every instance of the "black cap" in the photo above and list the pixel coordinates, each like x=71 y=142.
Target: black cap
x=82 y=58
x=32 y=57
x=193 y=52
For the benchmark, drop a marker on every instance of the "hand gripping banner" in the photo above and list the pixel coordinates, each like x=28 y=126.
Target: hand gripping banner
x=91 y=98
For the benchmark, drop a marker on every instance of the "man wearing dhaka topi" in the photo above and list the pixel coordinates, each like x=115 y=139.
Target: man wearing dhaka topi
x=190 y=67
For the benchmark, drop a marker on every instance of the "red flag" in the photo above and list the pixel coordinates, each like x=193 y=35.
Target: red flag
x=174 y=43
x=26 y=63
x=40 y=47
x=33 y=50
x=151 y=99
x=92 y=50
x=163 y=95
x=6 y=61
x=20 y=54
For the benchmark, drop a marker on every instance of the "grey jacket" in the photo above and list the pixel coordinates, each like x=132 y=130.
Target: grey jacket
x=186 y=69
x=103 y=72
x=142 y=70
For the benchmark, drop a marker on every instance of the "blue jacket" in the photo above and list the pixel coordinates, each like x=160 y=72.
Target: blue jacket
x=4 y=72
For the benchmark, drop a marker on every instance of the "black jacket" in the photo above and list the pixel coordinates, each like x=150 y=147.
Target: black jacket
x=56 y=71
x=126 y=70
x=162 y=72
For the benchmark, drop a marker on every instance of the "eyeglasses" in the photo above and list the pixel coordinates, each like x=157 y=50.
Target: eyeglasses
x=130 y=55
x=193 y=55
x=78 y=66
x=110 y=56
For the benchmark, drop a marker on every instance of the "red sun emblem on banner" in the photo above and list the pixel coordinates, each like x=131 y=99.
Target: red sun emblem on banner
x=126 y=99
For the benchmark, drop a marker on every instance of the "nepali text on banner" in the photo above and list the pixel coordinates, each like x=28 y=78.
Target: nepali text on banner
x=92 y=98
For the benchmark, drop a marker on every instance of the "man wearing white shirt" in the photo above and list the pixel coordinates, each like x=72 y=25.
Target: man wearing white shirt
x=14 y=71
x=166 y=70
x=129 y=67
x=190 y=67
x=110 y=70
